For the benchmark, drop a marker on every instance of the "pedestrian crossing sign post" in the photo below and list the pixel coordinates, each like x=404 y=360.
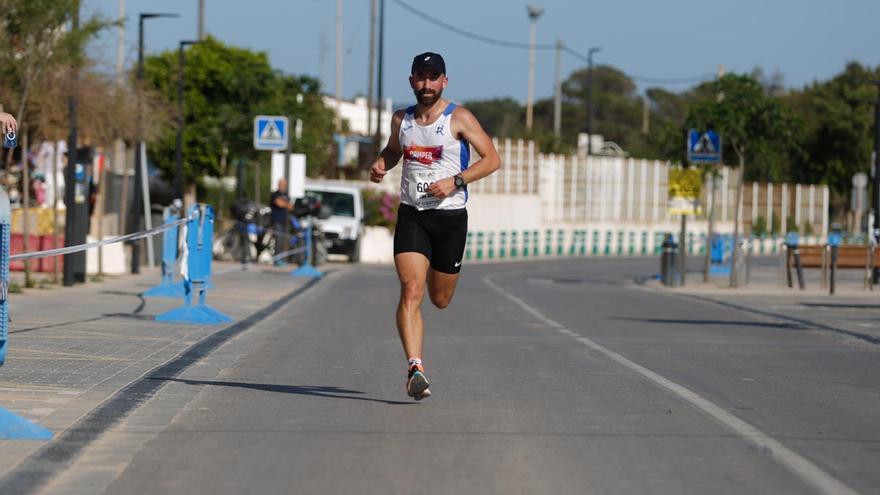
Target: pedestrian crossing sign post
x=270 y=132
x=703 y=147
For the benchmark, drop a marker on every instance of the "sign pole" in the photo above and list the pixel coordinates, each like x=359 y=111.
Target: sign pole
x=682 y=251
x=707 y=261
x=705 y=147
x=271 y=133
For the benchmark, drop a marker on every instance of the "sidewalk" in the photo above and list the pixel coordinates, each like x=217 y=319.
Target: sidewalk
x=852 y=312
x=72 y=348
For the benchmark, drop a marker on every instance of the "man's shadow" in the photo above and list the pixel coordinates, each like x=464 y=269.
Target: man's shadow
x=316 y=391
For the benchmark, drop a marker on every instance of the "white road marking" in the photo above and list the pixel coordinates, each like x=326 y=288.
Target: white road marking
x=797 y=464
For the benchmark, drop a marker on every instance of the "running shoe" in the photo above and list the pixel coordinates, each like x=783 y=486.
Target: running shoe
x=417 y=384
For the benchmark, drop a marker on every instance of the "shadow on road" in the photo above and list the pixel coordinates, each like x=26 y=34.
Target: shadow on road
x=676 y=321
x=841 y=305
x=316 y=391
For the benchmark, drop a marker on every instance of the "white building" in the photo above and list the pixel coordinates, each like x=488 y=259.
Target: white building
x=355 y=113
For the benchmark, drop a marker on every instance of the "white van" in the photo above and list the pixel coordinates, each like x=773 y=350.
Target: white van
x=344 y=229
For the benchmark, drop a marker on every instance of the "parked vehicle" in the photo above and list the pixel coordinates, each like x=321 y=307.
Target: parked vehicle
x=344 y=228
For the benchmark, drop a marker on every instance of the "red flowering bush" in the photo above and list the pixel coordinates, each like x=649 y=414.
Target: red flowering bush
x=380 y=208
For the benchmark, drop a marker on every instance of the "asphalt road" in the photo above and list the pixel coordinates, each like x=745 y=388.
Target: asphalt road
x=548 y=377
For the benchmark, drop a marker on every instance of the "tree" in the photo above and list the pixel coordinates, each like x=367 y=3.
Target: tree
x=838 y=124
x=225 y=88
x=750 y=123
x=500 y=117
x=37 y=38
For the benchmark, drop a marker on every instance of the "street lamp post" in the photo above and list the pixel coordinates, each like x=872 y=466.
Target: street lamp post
x=534 y=14
x=178 y=153
x=136 y=214
x=590 y=53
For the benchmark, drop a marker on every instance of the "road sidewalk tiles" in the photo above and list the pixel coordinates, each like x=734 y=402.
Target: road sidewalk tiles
x=853 y=312
x=70 y=349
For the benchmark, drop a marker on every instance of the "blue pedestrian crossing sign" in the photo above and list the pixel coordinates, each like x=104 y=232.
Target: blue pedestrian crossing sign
x=270 y=132
x=703 y=146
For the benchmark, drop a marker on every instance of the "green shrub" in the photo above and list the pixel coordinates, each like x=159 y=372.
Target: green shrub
x=380 y=208
x=759 y=226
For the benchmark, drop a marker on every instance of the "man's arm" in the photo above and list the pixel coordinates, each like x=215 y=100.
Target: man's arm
x=464 y=124
x=392 y=152
x=280 y=202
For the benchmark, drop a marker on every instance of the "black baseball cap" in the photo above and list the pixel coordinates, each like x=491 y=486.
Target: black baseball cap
x=429 y=61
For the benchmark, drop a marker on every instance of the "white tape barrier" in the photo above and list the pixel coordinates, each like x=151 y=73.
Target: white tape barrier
x=84 y=247
x=287 y=253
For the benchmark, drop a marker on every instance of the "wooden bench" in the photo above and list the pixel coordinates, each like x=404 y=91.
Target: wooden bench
x=850 y=256
x=812 y=256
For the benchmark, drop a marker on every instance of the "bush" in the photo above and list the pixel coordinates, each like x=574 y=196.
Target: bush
x=759 y=226
x=807 y=229
x=380 y=208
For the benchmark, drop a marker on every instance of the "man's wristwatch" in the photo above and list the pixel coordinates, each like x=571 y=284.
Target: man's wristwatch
x=459 y=181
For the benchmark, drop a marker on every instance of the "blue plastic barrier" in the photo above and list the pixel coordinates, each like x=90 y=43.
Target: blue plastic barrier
x=720 y=255
x=307 y=270
x=167 y=288
x=5 y=227
x=199 y=234
x=12 y=426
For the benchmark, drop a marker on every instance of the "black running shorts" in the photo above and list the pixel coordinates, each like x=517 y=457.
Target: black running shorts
x=438 y=234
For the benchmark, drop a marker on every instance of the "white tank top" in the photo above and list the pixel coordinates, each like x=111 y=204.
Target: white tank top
x=431 y=153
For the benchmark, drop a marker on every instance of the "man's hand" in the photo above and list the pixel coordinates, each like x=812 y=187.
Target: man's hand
x=377 y=171
x=442 y=188
x=8 y=123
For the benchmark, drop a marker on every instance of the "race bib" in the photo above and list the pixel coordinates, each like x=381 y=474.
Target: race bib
x=419 y=182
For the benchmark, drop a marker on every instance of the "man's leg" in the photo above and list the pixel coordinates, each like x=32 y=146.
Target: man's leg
x=280 y=240
x=441 y=287
x=412 y=269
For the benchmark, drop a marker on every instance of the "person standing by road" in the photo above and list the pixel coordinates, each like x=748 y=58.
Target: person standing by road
x=433 y=137
x=281 y=207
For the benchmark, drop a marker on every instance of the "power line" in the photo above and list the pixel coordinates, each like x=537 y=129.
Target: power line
x=468 y=34
x=545 y=46
x=658 y=80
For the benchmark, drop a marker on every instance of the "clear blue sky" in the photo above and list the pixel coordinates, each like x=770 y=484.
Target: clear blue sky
x=804 y=40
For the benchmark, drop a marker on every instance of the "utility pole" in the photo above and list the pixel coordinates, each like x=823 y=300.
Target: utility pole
x=338 y=65
x=381 y=79
x=120 y=46
x=590 y=53
x=371 y=66
x=201 y=32
x=534 y=14
x=557 y=97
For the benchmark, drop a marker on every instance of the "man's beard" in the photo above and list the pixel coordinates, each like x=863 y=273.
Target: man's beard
x=428 y=98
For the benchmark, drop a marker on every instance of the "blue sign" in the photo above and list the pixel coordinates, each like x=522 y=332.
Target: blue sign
x=834 y=239
x=703 y=146
x=270 y=132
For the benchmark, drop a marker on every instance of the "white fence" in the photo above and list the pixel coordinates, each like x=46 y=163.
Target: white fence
x=583 y=191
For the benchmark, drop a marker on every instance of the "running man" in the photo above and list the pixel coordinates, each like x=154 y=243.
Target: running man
x=434 y=138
